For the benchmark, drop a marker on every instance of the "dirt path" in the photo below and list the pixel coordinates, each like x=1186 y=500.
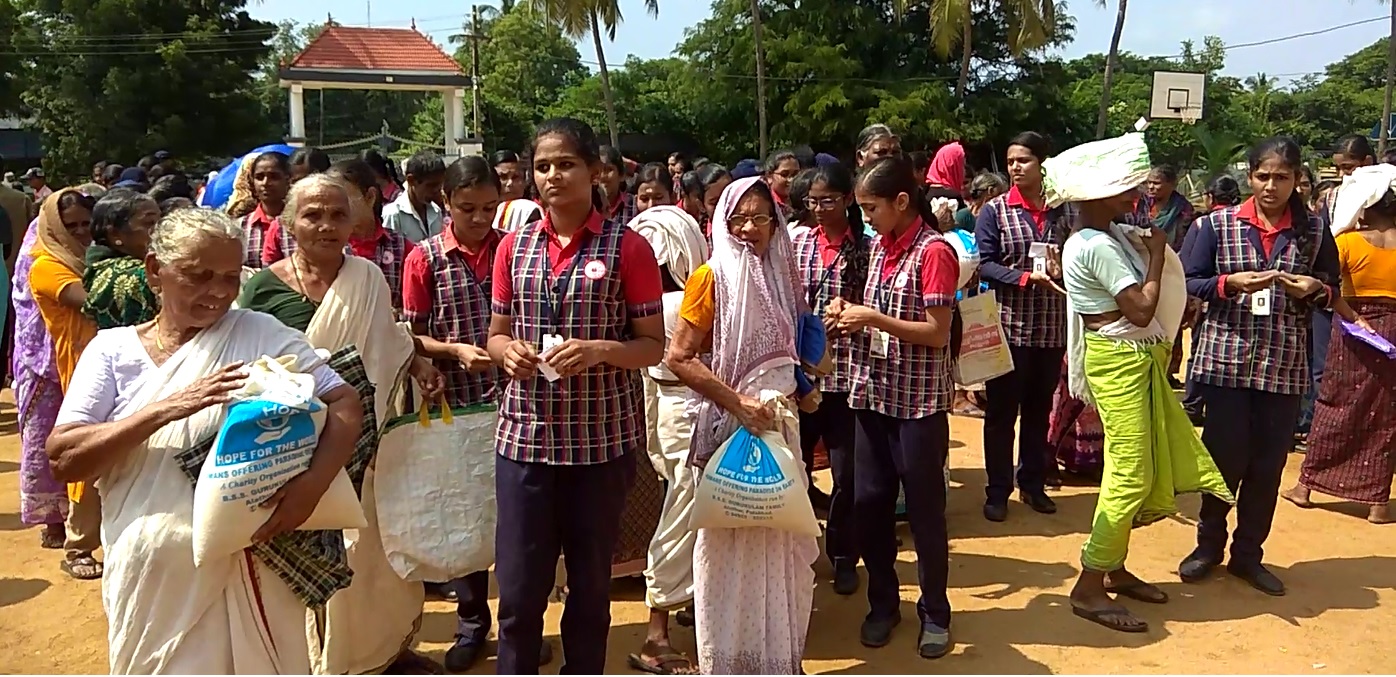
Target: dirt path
x=1008 y=584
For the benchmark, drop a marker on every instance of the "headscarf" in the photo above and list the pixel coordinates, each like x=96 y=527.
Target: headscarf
x=1363 y=188
x=515 y=214
x=244 y=198
x=54 y=238
x=758 y=303
x=675 y=237
x=1096 y=170
x=948 y=167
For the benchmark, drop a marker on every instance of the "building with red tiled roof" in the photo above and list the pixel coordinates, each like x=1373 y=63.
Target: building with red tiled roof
x=355 y=57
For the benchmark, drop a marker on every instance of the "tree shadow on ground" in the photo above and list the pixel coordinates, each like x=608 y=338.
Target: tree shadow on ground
x=8 y=467
x=16 y=590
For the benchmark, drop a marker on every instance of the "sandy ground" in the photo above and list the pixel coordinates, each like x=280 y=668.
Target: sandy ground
x=1009 y=585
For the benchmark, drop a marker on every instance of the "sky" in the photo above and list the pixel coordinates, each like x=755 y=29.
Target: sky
x=1152 y=27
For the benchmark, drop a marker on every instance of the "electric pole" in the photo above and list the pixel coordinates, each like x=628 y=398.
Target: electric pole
x=475 y=38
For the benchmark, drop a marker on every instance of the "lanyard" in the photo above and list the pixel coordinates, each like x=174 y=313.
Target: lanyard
x=879 y=297
x=557 y=291
x=828 y=271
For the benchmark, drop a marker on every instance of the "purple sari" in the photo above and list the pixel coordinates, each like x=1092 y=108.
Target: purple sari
x=38 y=394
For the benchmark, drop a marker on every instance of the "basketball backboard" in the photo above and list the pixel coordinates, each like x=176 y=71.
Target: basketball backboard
x=1177 y=96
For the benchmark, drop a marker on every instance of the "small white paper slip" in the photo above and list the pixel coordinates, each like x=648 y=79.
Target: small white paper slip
x=1039 y=252
x=548 y=372
x=551 y=341
x=1260 y=302
x=880 y=340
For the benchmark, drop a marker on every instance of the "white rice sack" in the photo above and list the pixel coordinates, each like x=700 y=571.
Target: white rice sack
x=268 y=436
x=967 y=252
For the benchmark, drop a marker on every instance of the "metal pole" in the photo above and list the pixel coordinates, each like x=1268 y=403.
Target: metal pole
x=475 y=70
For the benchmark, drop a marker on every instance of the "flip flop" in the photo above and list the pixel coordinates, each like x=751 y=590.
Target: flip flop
x=664 y=664
x=1101 y=618
x=77 y=567
x=1137 y=592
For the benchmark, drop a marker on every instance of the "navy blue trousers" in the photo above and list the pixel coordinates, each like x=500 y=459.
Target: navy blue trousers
x=908 y=454
x=546 y=511
x=1249 y=434
x=472 y=608
x=1024 y=397
x=833 y=423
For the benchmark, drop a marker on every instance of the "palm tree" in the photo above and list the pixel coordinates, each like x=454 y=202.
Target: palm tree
x=760 y=76
x=1031 y=25
x=576 y=19
x=1108 y=80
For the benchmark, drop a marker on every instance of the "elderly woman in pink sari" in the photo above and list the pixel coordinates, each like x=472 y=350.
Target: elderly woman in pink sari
x=754 y=587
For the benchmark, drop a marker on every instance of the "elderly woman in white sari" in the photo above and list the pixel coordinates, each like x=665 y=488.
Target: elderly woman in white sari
x=679 y=247
x=141 y=397
x=342 y=300
x=753 y=587
x=1125 y=296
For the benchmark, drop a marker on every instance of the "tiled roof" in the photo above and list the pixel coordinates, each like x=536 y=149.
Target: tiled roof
x=375 y=49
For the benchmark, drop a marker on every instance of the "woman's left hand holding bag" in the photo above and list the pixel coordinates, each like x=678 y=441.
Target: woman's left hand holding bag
x=428 y=378
x=293 y=503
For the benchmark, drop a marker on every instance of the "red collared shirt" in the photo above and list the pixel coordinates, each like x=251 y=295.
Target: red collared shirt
x=940 y=269
x=1037 y=212
x=258 y=226
x=638 y=270
x=418 y=280
x=828 y=249
x=367 y=247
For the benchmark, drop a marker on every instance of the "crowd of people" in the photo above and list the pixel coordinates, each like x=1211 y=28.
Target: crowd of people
x=627 y=319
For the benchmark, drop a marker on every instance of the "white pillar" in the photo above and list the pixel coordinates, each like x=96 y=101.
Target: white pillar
x=297 y=137
x=458 y=122
x=450 y=106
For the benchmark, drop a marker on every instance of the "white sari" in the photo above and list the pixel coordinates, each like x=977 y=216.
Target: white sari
x=370 y=623
x=166 y=616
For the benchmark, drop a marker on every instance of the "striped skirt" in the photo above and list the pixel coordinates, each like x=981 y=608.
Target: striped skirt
x=1352 y=443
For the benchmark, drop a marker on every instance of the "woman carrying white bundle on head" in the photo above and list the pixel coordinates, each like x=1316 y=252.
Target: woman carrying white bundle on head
x=1125 y=297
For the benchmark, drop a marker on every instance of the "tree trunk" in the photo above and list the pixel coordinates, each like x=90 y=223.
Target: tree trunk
x=1103 y=116
x=967 y=49
x=605 y=82
x=1390 y=79
x=760 y=77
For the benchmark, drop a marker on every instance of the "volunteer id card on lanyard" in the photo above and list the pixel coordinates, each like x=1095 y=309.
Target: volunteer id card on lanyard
x=557 y=295
x=881 y=340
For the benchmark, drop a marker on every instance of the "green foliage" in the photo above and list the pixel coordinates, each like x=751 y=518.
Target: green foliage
x=525 y=68
x=121 y=78
x=117 y=79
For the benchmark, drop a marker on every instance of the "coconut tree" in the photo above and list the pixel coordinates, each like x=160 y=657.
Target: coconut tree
x=760 y=76
x=1030 y=25
x=1111 y=59
x=577 y=19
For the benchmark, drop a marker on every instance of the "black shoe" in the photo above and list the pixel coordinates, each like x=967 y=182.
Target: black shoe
x=1197 y=567
x=1197 y=418
x=1039 y=502
x=934 y=642
x=846 y=580
x=877 y=634
x=995 y=512
x=461 y=656
x=1174 y=383
x=819 y=499
x=440 y=592
x=1259 y=577
x=684 y=617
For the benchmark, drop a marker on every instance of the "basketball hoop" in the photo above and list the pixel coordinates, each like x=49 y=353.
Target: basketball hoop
x=1190 y=115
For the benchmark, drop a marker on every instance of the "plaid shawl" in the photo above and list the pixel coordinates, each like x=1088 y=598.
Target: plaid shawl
x=314 y=564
